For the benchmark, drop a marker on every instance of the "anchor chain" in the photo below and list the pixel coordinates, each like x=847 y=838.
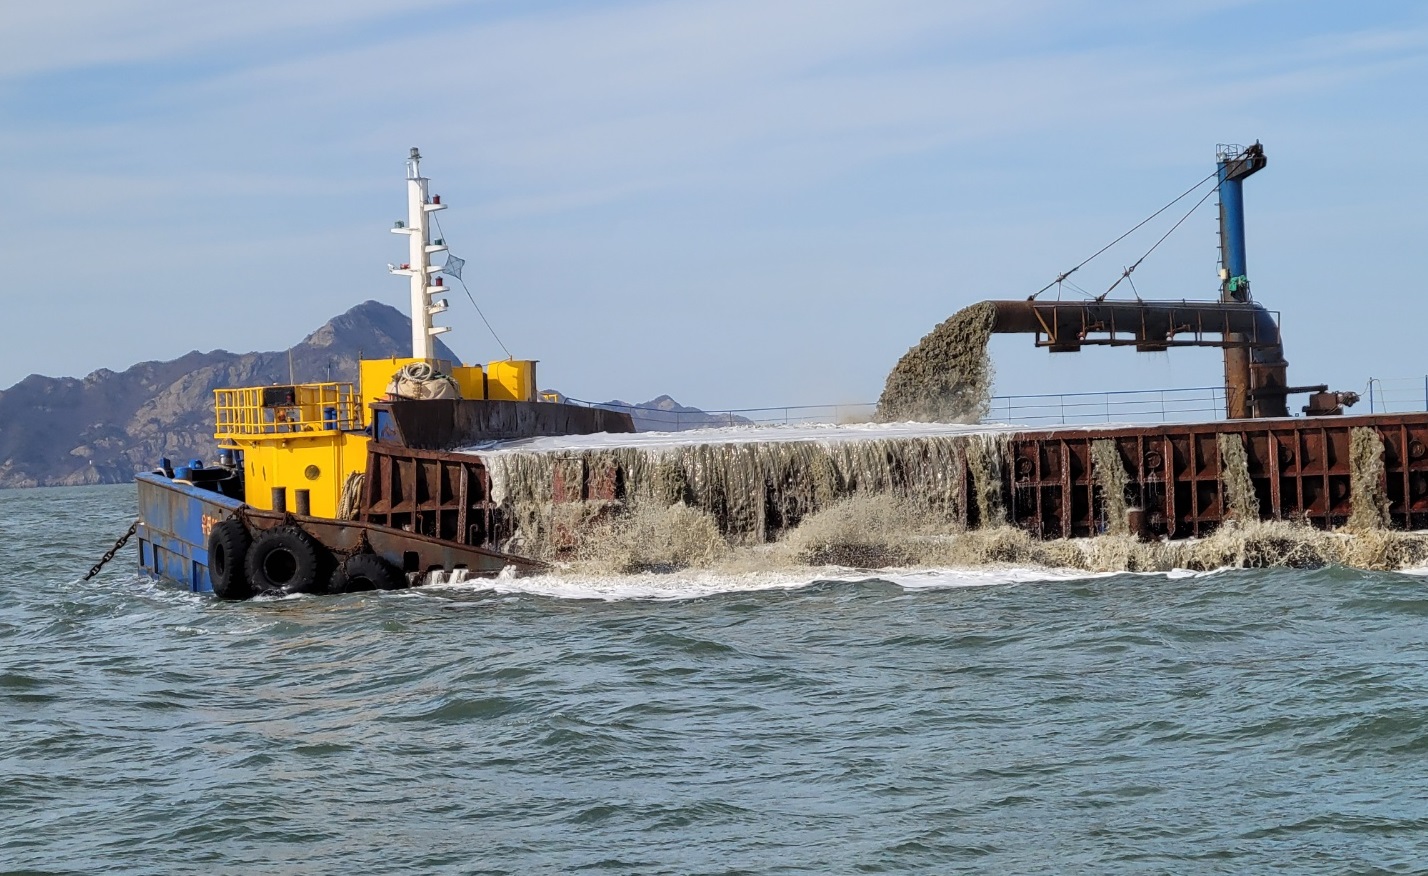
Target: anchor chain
x=109 y=554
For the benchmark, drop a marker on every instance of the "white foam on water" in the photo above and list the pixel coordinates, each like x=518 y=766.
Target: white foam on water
x=696 y=584
x=700 y=583
x=934 y=579
x=275 y=596
x=687 y=584
x=651 y=585
x=1182 y=574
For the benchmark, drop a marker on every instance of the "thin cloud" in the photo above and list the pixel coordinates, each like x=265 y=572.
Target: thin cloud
x=76 y=34
x=697 y=159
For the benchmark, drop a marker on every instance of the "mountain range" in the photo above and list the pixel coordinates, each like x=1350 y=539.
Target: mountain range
x=102 y=428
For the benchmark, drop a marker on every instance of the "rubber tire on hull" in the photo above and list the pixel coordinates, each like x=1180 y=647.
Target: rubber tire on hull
x=228 y=545
x=285 y=560
x=361 y=572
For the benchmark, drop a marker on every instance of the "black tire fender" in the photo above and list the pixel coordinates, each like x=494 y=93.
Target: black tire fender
x=228 y=545
x=285 y=559
x=361 y=572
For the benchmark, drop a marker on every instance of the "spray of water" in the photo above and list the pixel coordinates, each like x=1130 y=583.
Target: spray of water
x=1366 y=481
x=984 y=458
x=1109 y=474
x=881 y=533
x=753 y=491
x=1241 y=503
x=895 y=500
x=947 y=377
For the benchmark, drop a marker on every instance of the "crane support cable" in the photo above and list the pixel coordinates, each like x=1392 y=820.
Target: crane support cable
x=479 y=313
x=1127 y=272
x=1062 y=277
x=484 y=319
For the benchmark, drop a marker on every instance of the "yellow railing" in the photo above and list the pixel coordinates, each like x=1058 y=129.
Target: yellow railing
x=284 y=410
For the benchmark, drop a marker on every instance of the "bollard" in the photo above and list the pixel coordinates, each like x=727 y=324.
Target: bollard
x=280 y=499
x=304 y=502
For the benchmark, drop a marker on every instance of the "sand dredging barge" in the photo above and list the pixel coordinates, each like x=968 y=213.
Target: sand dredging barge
x=391 y=487
x=1152 y=483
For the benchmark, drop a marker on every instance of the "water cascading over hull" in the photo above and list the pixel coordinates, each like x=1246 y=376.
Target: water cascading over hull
x=756 y=489
x=1156 y=482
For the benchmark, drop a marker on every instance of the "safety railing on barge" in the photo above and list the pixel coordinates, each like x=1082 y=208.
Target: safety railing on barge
x=1064 y=409
x=1396 y=395
x=1181 y=405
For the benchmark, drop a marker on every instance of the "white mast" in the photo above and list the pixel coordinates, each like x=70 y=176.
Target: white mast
x=419 y=267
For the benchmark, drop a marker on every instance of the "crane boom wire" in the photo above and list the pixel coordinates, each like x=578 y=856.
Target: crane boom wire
x=1127 y=272
x=1139 y=225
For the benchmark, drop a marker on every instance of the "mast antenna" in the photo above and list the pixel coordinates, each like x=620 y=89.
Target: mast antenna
x=424 y=283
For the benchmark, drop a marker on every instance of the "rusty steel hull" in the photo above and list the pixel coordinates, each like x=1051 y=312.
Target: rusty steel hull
x=1300 y=470
x=437 y=494
x=407 y=551
x=442 y=424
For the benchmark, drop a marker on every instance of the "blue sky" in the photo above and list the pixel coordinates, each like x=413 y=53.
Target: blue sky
x=737 y=202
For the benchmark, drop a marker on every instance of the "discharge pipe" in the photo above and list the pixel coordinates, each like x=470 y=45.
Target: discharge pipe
x=1153 y=326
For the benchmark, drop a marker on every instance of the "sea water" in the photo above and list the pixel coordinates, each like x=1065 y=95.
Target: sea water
x=992 y=719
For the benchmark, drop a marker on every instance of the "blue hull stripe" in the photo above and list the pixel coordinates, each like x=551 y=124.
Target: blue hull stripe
x=173 y=534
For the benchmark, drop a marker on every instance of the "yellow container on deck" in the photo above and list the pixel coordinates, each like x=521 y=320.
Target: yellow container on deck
x=471 y=380
x=511 y=380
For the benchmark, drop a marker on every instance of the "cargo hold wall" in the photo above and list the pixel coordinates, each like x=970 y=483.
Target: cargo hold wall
x=1170 y=481
x=1179 y=481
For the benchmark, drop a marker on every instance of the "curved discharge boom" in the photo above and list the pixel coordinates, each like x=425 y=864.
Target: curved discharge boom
x=1255 y=385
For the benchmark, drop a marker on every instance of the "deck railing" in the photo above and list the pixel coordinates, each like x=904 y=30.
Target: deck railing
x=1189 y=404
x=272 y=410
x=1397 y=395
x=1072 y=408
x=1195 y=403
